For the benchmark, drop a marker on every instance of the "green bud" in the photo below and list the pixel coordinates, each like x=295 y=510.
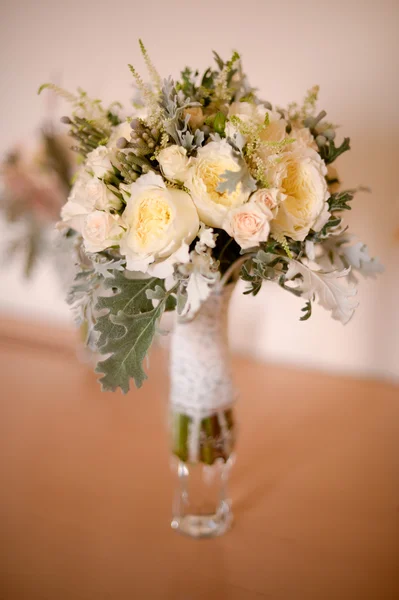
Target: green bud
x=321 y=141
x=219 y=123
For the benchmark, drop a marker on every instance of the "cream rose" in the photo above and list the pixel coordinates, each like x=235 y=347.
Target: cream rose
x=248 y=112
x=305 y=206
x=101 y=230
x=248 y=224
x=174 y=163
x=256 y=114
x=204 y=178
x=160 y=224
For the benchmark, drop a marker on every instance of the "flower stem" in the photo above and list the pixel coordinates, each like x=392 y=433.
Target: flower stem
x=213 y=442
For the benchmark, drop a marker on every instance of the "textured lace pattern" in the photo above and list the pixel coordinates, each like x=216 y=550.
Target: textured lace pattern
x=200 y=364
x=201 y=383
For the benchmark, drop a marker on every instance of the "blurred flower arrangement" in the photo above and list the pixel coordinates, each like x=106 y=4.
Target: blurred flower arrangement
x=35 y=185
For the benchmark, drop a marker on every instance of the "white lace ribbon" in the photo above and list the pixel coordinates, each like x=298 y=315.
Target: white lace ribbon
x=201 y=383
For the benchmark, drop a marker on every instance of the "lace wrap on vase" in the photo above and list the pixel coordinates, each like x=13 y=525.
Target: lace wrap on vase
x=201 y=382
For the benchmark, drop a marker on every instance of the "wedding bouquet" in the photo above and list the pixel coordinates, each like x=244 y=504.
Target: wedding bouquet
x=35 y=185
x=200 y=185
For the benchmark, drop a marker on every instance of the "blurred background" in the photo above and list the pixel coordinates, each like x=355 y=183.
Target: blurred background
x=349 y=48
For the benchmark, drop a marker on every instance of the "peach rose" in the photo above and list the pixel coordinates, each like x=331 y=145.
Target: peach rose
x=248 y=224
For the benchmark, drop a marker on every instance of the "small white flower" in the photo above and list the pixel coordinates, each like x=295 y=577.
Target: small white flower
x=174 y=163
x=205 y=176
x=101 y=230
x=160 y=224
x=249 y=224
x=206 y=239
x=202 y=275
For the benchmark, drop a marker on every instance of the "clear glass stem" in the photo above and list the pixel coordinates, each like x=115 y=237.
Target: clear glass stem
x=201 y=505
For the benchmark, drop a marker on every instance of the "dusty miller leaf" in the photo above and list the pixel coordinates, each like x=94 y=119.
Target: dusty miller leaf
x=128 y=350
x=129 y=297
x=127 y=327
x=231 y=179
x=332 y=293
x=341 y=253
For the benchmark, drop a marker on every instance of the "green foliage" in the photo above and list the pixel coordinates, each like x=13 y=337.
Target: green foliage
x=219 y=123
x=154 y=75
x=127 y=326
x=173 y=103
x=82 y=298
x=59 y=91
x=128 y=351
x=150 y=98
x=330 y=152
x=339 y=201
x=129 y=297
x=188 y=82
x=307 y=310
x=336 y=203
x=332 y=223
x=263 y=266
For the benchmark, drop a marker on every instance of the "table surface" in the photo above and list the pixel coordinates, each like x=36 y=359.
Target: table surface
x=86 y=487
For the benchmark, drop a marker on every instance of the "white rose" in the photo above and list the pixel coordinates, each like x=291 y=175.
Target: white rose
x=305 y=206
x=248 y=112
x=206 y=174
x=101 y=230
x=174 y=163
x=248 y=224
x=276 y=129
x=160 y=223
x=98 y=161
x=101 y=196
x=87 y=194
x=255 y=114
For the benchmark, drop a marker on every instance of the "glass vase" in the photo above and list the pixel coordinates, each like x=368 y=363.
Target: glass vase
x=202 y=422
